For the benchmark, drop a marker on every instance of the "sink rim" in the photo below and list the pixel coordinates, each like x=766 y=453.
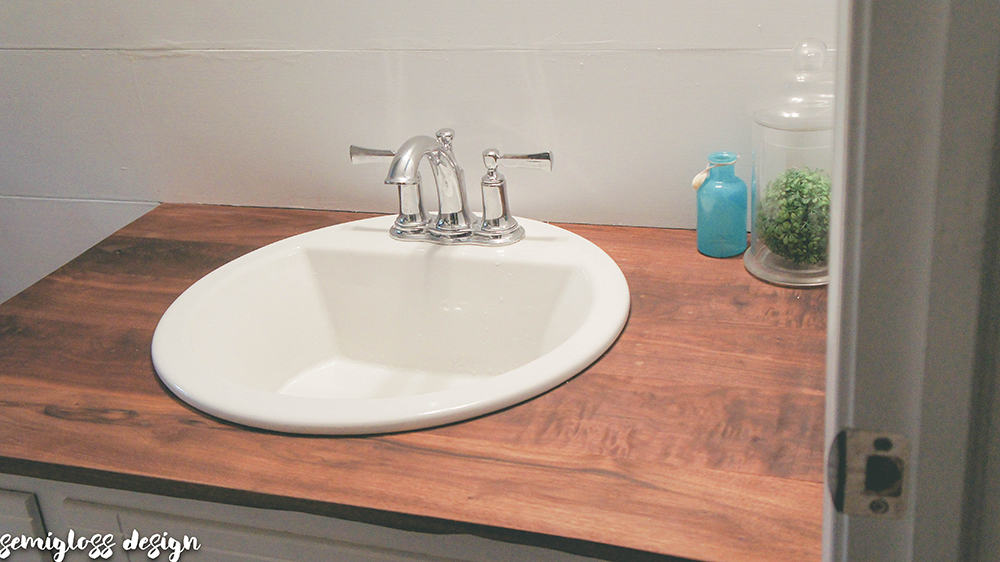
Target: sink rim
x=253 y=407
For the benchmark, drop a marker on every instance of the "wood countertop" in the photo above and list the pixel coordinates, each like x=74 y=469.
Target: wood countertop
x=699 y=434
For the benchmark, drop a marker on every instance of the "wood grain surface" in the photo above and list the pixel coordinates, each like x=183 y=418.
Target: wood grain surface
x=698 y=435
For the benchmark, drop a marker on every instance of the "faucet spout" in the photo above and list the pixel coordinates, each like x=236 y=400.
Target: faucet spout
x=452 y=222
x=405 y=163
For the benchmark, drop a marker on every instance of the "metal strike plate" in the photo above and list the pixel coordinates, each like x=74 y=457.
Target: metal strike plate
x=868 y=473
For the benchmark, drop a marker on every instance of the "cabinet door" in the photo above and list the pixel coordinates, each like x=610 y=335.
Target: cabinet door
x=19 y=515
x=255 y=535
x=228 y=542
x=235 y=533
x=87 y=519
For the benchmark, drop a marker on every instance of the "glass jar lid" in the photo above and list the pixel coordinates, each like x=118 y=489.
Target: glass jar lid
x=807 y=101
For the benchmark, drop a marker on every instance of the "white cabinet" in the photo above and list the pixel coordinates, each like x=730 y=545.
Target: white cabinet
x=226 y=532
x=19 y=516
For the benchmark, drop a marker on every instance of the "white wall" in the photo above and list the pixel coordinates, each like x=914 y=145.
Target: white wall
x=255 y=103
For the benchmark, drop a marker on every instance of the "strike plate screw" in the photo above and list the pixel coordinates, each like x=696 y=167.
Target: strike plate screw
x=879 y=506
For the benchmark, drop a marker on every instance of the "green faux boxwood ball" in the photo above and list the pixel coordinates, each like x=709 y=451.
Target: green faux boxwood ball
x=794 y=215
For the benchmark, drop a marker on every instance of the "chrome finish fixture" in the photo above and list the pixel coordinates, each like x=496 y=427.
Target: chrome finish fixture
x=538 y=160
x=411 y=223
x=452 y=224
x=497 y=226
x=360 y=155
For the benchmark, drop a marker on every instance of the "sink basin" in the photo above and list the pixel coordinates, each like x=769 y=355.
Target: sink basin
x=343 y=330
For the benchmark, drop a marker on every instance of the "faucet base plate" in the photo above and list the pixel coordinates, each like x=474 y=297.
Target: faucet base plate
x=474 y=235
x=488 y=237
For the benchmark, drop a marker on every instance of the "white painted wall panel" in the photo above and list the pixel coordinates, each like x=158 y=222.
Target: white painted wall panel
x=400 y=25
x=37 y=235
x=255 y=103
x=71 y=126
x=628 y=128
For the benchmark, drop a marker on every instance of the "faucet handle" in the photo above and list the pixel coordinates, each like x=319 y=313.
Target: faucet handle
x=498 y=226
x=536 y=160
x=445 y=136
x=411 y=222
x=361 y=155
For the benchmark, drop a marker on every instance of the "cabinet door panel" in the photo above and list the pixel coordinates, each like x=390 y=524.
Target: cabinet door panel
x=230 y=542
x=19 y=515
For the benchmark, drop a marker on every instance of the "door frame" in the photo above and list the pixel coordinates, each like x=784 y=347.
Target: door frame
x=912 y=320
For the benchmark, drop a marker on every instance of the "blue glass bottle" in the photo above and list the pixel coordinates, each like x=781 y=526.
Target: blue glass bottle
x=722 y=209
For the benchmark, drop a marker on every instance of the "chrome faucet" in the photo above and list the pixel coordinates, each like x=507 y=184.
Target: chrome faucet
x=453 y=223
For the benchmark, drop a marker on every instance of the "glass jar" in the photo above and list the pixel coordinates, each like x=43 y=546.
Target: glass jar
x=791 y=181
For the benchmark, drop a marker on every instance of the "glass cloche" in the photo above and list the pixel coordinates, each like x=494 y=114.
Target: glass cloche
x=790 y=183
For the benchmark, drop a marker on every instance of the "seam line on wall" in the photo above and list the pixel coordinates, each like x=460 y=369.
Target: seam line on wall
x=79 y=199
x=561 y=49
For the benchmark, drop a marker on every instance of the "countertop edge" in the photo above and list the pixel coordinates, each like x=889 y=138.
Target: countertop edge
x=260 y=500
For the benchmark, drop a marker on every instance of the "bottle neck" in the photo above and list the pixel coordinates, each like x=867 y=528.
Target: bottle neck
x=726 y=171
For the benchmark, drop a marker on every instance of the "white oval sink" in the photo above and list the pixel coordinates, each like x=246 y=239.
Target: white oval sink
x=343 y=330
